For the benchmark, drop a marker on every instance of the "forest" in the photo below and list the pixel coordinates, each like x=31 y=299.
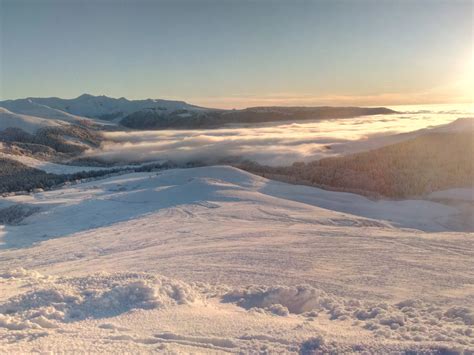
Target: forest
x=412 y=168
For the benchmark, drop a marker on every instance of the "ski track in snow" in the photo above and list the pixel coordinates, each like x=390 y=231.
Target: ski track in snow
x=216 y=260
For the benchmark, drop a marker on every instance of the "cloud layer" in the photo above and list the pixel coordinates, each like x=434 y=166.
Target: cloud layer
x=267 y=144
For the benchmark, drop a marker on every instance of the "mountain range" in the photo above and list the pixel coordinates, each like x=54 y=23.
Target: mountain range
x=163 y=114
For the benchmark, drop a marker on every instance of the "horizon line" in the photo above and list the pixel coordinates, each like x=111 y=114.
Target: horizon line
x=250 y=101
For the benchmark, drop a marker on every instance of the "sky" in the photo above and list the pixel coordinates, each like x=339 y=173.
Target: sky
x=233 y=54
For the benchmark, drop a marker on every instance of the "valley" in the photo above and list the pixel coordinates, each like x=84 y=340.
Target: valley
x=272 y=237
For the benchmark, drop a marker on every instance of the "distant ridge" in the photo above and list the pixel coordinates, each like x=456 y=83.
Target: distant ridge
x=163 y=114
x=99 y=107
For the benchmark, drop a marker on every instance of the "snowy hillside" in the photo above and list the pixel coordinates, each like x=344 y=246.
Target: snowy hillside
x=166 y=114
x=459 y=125
x=47 y=166
x=99 y=107
x=27 y=123
x=29 y=107
x=218 y=260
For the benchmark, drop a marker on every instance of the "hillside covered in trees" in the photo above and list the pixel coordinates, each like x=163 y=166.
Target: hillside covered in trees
x=69 y=140
x=15 y=176
x=415 y=167
x=186 y=119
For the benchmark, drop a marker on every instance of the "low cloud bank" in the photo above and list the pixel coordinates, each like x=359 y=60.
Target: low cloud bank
x=278 y=144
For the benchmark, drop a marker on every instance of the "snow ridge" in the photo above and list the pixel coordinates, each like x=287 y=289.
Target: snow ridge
x=55 y=302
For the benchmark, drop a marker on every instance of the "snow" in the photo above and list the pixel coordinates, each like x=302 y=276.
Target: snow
x=293 y=299
x=459 y=194
x=375 y=141
x=116 y=199
x=54 y=168
x=27 y=123
x=31 y=108
x=46 y=166
x=418 y=214
x=70 y=300
x=216 y=260
x=90 y=106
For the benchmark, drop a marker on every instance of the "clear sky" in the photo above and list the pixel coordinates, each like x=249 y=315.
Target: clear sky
x=229 y=53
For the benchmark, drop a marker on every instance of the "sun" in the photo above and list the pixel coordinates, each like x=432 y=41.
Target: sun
x=462 y=89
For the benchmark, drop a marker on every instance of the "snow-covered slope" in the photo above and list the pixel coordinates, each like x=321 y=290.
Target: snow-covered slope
x=32 y=108
x=460 y=125
x=182 y=247
x=459 y=194
x=27 y=123
x=465 y=124
x=47 y=166
x=92 y=106
x=108 y=201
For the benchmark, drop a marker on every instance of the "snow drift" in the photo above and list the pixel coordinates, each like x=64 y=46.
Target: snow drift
x=57 y=300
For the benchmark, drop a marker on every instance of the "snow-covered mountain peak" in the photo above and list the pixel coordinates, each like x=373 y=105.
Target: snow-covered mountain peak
x=101 y=107
x=25 y=122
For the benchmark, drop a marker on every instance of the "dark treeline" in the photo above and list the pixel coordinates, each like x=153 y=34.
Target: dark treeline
x=184 y=119
x=15 y=176
x=57 y=139
x=411 y=168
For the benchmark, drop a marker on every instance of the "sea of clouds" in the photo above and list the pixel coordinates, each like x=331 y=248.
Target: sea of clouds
x=273 y=144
